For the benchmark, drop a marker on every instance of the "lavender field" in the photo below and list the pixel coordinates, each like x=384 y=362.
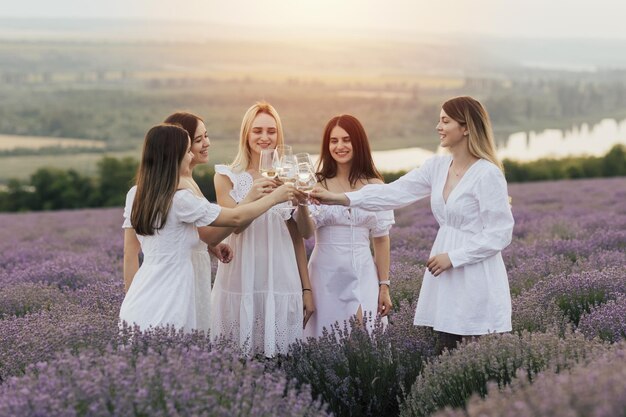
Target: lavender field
x=62 y=353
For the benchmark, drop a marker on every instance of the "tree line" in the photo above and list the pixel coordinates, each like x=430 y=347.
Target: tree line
x=55 y=189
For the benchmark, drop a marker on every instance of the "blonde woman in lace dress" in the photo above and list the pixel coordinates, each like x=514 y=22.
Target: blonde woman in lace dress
x=262 y=299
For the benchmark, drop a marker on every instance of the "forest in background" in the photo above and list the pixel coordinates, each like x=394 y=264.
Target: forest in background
x=55 y=189
x=114 y=91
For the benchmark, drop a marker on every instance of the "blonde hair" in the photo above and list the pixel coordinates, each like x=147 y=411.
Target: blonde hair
x=242 y=159
x=470 y=113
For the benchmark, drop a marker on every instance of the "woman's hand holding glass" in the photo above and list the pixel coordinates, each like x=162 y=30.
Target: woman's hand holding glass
x=260 y=187
x=284 y=193
x=320 y=195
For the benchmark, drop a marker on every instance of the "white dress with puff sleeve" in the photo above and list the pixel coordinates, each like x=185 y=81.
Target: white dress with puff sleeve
x=256 y=299
x=163 y=290
x=341 y=269
x=475 y=225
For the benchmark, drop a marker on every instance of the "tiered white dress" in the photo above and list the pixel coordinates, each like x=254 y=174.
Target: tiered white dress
x=163 y=291
x=476 y=224
x=257 y=298
x=342 y=270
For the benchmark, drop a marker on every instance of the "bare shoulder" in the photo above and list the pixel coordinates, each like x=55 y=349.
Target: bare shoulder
x=375 y=181
x=222 y=181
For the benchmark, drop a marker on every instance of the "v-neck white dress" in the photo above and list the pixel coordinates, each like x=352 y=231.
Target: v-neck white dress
x=475 y=225
x=256 y=299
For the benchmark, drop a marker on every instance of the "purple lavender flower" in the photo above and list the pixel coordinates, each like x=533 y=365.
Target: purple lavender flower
x=594 y=389
x=608 y=321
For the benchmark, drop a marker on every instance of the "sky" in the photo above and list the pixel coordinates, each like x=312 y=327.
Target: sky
x=602 y=19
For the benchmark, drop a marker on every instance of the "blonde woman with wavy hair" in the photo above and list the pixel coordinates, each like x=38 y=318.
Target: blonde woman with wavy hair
x=261 y=299
x=244 y=154
x=465 y=291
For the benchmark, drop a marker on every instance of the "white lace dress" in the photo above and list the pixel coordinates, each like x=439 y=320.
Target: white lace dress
x=475 y=225
x=257 y=298
x=163 y=291
x=342 y=269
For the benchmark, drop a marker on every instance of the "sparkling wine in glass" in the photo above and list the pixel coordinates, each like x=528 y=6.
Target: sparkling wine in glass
x=269 y=163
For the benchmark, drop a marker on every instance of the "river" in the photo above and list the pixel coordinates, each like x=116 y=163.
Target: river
x=580 y=140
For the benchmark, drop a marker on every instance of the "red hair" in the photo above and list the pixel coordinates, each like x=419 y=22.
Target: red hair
x=362 y=162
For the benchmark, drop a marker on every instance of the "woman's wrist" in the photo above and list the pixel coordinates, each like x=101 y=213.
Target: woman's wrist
x=384 y=282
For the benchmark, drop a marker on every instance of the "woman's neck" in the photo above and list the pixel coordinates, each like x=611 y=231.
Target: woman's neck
x=187 y=174
x=343 y=171
x=253 y=164
x=462 y=156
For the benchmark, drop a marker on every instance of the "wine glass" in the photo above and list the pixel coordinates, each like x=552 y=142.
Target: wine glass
x=306 y=179
x=304 y=158
x=269 y=163
x=283 y=150
x=288 y=173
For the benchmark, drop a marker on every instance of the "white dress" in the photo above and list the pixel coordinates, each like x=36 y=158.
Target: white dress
x=256 y=299
x=475 y=225
x=163 y=290
x=341 y=268
x=201 y=261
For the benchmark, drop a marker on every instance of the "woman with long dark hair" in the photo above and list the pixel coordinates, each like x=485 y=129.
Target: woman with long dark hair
x=345 y=279
x=465 y=291
x=200 y=143
x=164 y=216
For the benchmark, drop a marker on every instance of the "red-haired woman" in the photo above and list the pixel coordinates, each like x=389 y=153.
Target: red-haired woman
x=345 y=279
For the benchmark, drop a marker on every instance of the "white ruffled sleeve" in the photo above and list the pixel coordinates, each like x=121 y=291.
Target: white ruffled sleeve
x=495 y=216
x=130 y=197
x=384 y=220
x=225 y=170
x=192 y=209
x=409 y=188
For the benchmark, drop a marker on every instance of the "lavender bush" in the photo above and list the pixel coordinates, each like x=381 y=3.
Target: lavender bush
x=453 y=377
x=172 y=382
x=21 y=299
x=359 y=373
x=608 y=322
x=576 y=294
x=595 y=389
x=61 y=289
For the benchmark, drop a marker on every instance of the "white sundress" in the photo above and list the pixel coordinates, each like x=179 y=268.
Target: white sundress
x=256 y=299
x=341 y=268
x=163 y=291
x=475 y=225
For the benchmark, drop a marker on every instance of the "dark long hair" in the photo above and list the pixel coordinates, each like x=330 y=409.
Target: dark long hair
x=164 y=148
x=187 y=121
x=362 y=162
